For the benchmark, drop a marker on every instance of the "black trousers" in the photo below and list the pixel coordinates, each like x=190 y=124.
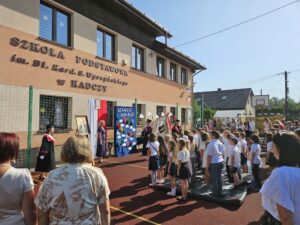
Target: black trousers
x=255 y=171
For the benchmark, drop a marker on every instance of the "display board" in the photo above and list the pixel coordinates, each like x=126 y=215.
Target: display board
x=125 y=130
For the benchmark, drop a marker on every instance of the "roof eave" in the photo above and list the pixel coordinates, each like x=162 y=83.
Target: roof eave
x=130 y=7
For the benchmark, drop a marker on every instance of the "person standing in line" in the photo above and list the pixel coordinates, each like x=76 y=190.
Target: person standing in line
x=163 y=158
x=255 y=160
x=46 y=157
x=203 y=150
x=247 y=128
x=215 y=163
x=145 y=134
x=16 y=186
x=244 y=151
x=172 y=167
x=251 y=125
x=101 y=141
x=77 y=192
x=192 y=156
x=267 y=125
x=270 y=160
x=183 y=171
x=153 y=153
x=280 y=192
x=227 y=150
x=234 y=161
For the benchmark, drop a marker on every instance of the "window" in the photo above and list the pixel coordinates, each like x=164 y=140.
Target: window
x=173 y=75
x=110 y=114
x=184 y=79
x=183 y=115
x=55 y=110
x=160 y=67
x=137 y=61
x=159 y=110
x=173 y=111
x=54 y=25
x=105 y=45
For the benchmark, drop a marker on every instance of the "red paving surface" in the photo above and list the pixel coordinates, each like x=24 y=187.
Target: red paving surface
x=128 y=180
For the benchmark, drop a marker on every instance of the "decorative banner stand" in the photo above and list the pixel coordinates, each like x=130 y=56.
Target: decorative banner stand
x=125 y=130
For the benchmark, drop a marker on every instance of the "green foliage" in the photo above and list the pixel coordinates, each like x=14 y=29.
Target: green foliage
x=209 y=113
x=277 y=106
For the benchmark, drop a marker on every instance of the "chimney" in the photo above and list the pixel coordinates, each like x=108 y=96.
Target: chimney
x=219 y=89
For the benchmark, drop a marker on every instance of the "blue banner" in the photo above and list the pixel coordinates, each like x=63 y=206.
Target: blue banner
x=125 y=130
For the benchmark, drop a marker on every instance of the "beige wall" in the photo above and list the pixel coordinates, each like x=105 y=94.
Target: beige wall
x=25 y=17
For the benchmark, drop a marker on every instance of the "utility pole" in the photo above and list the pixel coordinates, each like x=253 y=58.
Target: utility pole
x=286 y=94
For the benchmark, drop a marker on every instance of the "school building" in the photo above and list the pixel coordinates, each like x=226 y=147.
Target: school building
x=60 y=59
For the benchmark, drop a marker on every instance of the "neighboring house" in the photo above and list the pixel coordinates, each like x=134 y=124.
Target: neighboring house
x=229 y=103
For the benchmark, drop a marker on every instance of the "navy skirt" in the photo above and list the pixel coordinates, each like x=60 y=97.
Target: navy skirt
x=173 y=170
x=184 y=172
x=153 y=163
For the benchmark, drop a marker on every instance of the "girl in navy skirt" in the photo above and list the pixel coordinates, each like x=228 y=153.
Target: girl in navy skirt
x=172 y=167
x=153 y=153
x=183 y=172
x=163 y=158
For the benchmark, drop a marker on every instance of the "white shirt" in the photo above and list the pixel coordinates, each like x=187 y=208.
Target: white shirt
x=13 y=183
x=251 y=125
x=183 y=156
x=171 y=157
x=243 y=146
x=226 y=149
x=215 y=149
x=192 y=150
x=154 y=146
x=204 y=160
x=234 y=151
x=266 y=127
x=282 y=188
x=269 y=146
x=256 y=150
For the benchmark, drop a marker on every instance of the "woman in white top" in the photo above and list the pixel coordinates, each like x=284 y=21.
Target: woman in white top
x=153 y=153
x=183 y=172
x=16 y=186
x=281 y=191
x=270 y=160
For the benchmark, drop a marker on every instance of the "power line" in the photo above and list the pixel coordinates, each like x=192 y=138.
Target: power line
x=238 y=24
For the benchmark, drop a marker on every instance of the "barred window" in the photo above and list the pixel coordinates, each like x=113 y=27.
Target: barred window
x=110 y=114
x=55 y=110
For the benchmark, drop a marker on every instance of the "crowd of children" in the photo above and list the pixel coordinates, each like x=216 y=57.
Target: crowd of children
x=180 y=156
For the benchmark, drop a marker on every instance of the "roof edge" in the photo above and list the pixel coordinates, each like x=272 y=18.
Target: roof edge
x=143 y=16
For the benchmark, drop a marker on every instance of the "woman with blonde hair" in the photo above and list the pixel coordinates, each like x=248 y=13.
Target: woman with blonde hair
x=76 y=192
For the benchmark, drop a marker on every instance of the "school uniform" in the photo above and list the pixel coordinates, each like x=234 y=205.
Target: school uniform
x=272 y=161
x=173 y=167
x=243 y=145
x=184 y=157
x=227 y=150
x=256 y=150
x=234 y=152
x=215 y=150
x=154 y=159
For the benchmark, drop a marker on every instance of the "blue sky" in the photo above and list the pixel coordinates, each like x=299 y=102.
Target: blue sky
x=239 y=57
